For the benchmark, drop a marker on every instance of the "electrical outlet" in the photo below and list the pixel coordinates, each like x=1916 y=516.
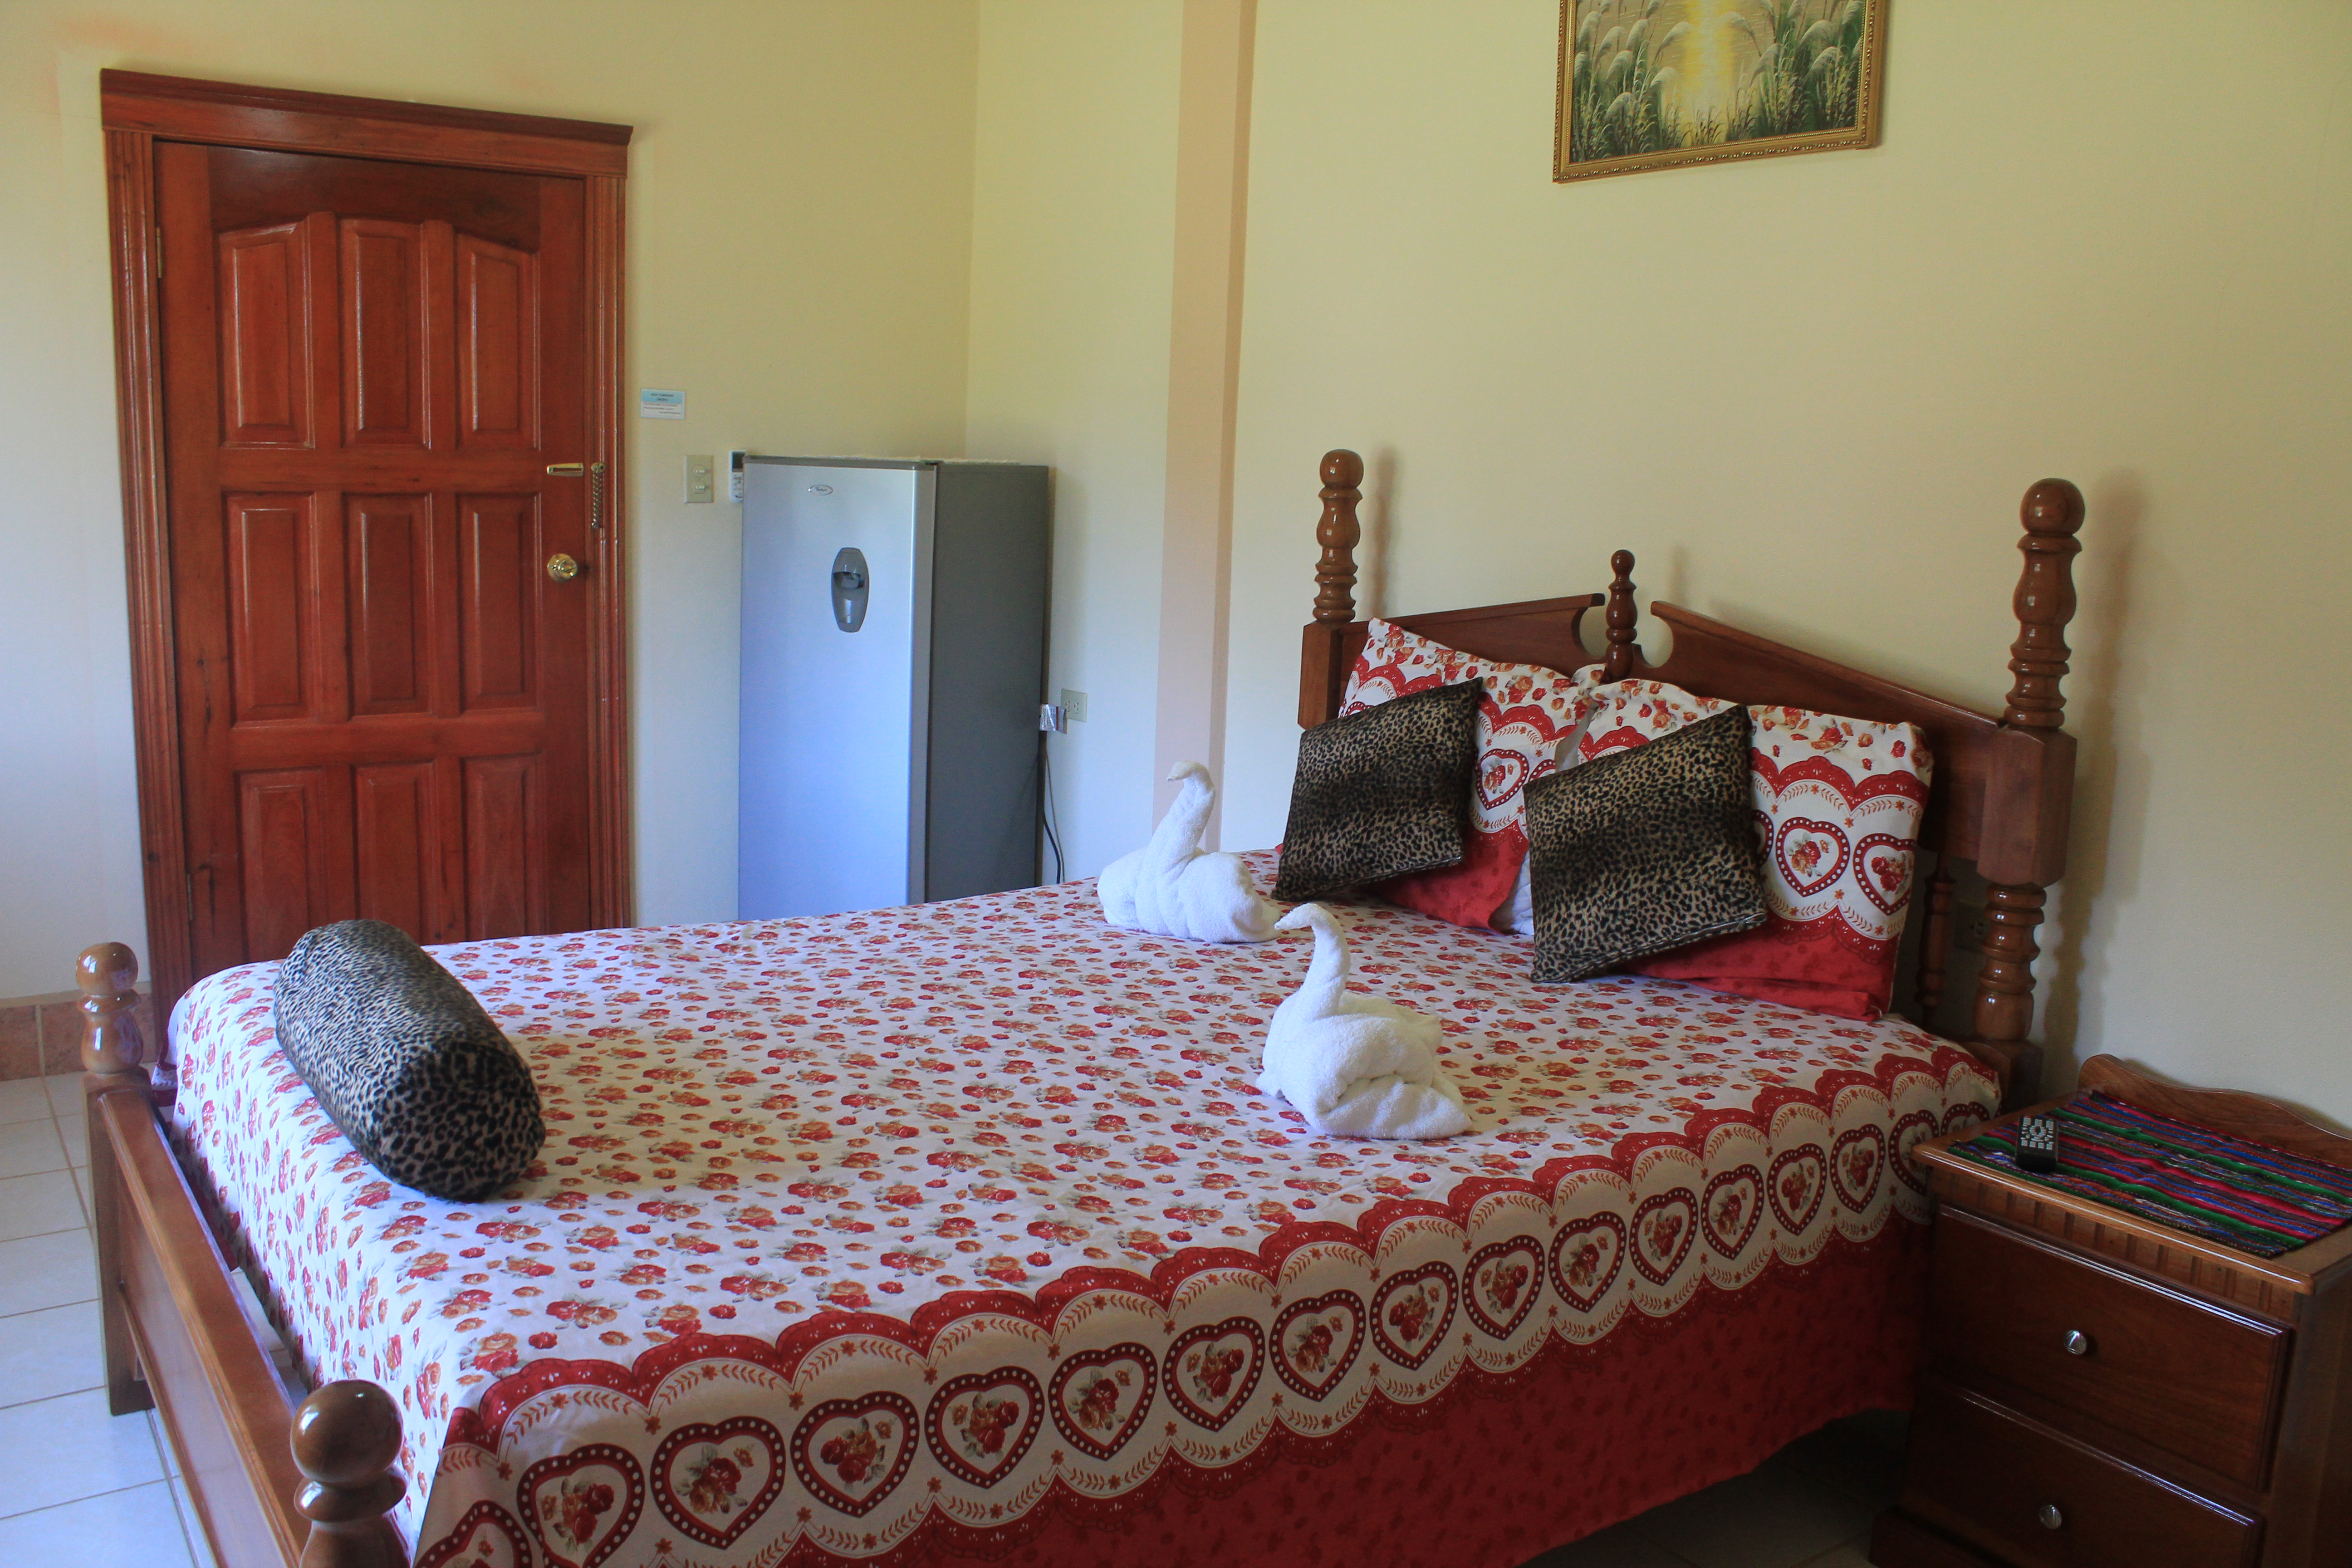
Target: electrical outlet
x=701 y=478
x=1076 y=702
x=1970 y=927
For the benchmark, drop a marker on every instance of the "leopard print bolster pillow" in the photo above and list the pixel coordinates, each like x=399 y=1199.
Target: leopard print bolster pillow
x=1644 y=850
x=1380 y=792
x=405 y=1062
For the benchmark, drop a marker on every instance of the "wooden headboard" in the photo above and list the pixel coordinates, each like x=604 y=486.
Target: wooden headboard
x=2001 y=788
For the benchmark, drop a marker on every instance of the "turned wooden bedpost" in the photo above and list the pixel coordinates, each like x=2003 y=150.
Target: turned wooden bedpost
x=113 y=1061
x=1621 y=617
x=2030 y=784
x=346 y=1436
x=1323 y=665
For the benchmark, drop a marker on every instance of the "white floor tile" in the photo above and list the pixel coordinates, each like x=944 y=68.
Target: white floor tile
x=1771 y=1518
x=38 y=1271
x=74 y=1131
x=34 y=1206
x=200 y=1551
x=49 y=1352
x=26 y=1147
x=22 y=1099
x=62 y=1450
x=65 y=1093
x=132 y=1528
x=1854 y=1553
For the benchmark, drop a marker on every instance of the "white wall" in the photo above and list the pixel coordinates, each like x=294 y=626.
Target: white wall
x=1074 y=224
x=799 y=219
x=2103 y=240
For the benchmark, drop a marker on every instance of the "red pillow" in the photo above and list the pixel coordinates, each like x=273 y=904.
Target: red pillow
x=1527 y=712
x=1838 y=802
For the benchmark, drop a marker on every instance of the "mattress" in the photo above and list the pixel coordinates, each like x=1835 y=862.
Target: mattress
x=941 y=1230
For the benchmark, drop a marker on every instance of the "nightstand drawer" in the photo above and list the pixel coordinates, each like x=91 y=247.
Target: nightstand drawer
x=2191 y=1378
x=2037 y=1499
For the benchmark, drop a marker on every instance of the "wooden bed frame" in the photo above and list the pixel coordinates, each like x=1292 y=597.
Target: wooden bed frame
x=275 y=1488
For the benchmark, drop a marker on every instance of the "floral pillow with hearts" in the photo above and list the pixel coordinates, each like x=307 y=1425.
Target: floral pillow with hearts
x=1837 y=807
x=1527 y=712
x=1629 y=713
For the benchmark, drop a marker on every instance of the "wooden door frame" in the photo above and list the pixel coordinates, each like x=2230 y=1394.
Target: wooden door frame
x=136 y=110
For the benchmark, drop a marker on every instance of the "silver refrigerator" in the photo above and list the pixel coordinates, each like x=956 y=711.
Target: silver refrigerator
x=894 y=663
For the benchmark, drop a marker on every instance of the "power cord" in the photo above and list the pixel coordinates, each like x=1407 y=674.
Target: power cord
x=1045 y=811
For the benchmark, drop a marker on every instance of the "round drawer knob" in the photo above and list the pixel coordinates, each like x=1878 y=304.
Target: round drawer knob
x=2077 y=1342
x=2050 y=1517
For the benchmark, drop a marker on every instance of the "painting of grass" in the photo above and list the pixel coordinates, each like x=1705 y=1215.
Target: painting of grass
x=1645 y=83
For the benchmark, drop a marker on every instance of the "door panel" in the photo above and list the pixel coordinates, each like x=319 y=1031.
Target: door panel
x=290 y=826
x=274 y=634
x=385 y=311
x=398 y=851
x=384 y=698
x=498 y=600
x=265 y=315
x=497 y=335
x=390 y=598
x=502 y=800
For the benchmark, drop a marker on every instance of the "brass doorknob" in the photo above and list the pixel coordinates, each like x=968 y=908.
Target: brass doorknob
x=562 y=567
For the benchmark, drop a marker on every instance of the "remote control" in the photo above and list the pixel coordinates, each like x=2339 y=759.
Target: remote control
x=2037 y=1144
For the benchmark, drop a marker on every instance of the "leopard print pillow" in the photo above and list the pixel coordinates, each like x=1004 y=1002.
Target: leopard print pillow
x=1644 y=850
x=1380 y=792
x=404 y=1061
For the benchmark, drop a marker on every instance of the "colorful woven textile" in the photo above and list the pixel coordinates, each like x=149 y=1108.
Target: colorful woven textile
x=2243 y=1195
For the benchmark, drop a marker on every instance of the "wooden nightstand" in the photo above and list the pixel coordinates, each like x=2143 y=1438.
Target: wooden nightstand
x=2098 y=1391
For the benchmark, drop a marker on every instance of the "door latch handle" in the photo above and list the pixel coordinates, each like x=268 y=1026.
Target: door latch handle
x=595 y=473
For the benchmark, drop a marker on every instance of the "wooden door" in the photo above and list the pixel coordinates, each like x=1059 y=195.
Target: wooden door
x=358 y=371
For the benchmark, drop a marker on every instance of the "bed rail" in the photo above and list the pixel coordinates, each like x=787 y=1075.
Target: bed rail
x=2003 y=788
x=273 y=1487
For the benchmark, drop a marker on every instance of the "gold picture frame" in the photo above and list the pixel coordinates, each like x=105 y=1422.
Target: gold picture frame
x=1654 y=84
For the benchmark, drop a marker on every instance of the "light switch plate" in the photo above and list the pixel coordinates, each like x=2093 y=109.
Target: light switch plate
x=1075 y=703
x=701 y=483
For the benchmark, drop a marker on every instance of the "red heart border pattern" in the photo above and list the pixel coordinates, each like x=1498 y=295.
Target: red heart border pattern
x=1394 y=1349
x=1733 y=1247
x=1856 y=1188
x=1078 y=1361
x=1806 y=887
x=1776 y=1188
x=1208 y=1333
x=460 y=1542
x=1911 y=1132
x=1584 y=1300
x=1643 y=1228
x=1530 y=1288
x=1867 y=874
x=935 y=1422
x=825 y=1490
x=666 y=1496
x=1346 y=1301
x=558 y=1465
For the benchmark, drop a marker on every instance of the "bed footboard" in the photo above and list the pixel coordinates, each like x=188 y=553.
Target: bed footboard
x=274 y=1488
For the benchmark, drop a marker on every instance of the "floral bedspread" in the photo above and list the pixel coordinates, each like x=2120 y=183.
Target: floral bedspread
x=858 y=1235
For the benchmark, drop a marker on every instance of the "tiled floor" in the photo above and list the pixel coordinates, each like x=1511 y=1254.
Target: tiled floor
x=96 y=1491
x=83 y=1487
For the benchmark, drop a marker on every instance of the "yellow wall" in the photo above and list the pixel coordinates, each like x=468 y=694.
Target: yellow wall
x=799 y=241
x=2105 y=240
x=1073 y=234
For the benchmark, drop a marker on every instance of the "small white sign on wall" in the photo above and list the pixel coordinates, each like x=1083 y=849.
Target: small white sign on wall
x=660 y=403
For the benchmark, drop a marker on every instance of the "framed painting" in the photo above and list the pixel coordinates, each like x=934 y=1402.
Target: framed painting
x=1648 y=84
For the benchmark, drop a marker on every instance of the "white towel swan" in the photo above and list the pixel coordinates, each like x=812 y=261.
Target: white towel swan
x=1174 y=887
x=1356 y=1066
